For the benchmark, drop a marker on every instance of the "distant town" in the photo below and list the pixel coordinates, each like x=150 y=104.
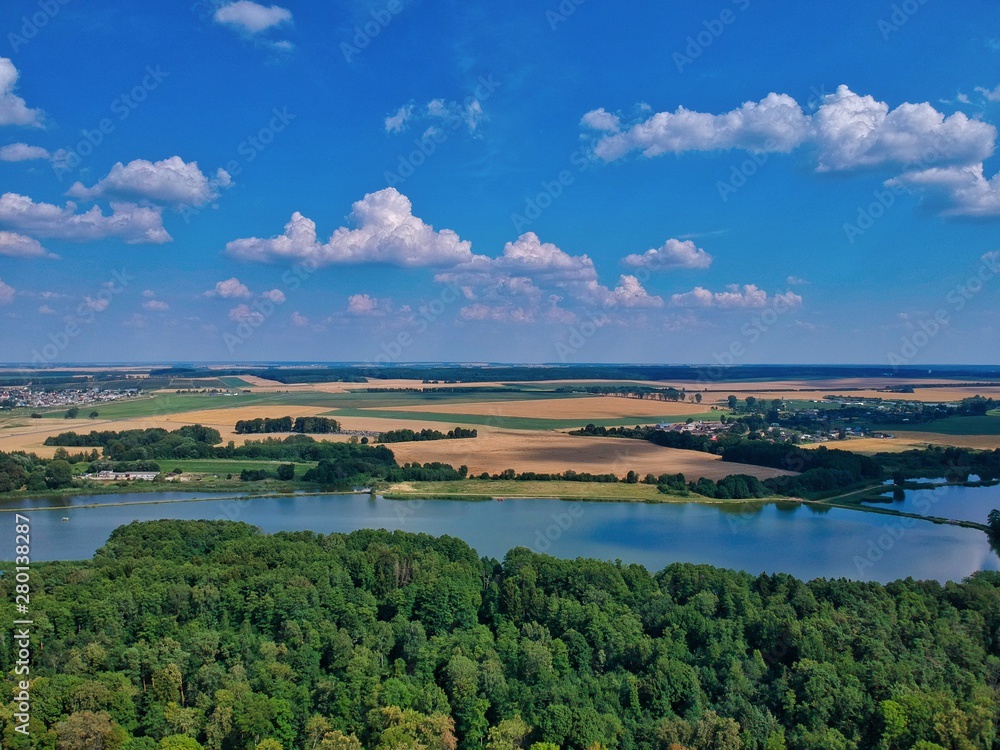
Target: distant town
x=31 y=398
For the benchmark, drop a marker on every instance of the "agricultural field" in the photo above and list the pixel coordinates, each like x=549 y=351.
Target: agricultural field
x=523 y=425
x=553 y=452
x=475 y=488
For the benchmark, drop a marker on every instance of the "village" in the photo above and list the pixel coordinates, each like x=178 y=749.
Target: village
x=33 y=398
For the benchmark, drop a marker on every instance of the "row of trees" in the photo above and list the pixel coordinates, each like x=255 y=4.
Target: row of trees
x=414 y=436
x=314 y=425
x=188 y=635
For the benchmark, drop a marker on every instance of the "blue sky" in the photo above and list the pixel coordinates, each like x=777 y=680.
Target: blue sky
x=713 y=182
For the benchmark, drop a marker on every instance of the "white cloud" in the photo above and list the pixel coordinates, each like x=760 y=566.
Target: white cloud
x=942 y=154
x=956 y=191
x=505 y=313
x=775 y=123
x=13 y=109
x=795 y=281
x=95 y=305
x=243 y=314
x=148 y=293
x=364 y=305
x=397 y=123
x=992 y=95
x=672 y=254
x=386 y=231
x=630 y=293
x=274 y=295
x=130 y=223
x=229 y=289
x=6 y=293
x=18 y=246
x=172 y=181
x=252 y=18
x=155 y=305
x=45 y=310
x=848 y=131
x=299 y=320
x=747 y=296
x=22 y=152
x=853 y=131
x=438 y=112
x=601 y=119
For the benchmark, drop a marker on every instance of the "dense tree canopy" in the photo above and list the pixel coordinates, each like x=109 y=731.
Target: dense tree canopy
x=180 y=635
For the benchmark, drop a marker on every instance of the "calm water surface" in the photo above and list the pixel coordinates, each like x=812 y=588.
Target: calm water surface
x=787 y=537
x=960 y=503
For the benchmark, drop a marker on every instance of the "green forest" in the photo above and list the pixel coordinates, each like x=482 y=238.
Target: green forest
x=186 y=635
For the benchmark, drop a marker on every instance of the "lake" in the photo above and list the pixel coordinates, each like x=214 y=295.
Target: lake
x=805 y=541
x=959 y=503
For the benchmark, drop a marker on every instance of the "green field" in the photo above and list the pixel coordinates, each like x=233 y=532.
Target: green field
x=514 y=423
x=224 y=466
x=987 y=425
x=170 y=403
x=487 y=489
x=234 y=382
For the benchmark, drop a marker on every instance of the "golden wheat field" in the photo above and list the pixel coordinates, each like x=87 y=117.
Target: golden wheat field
x=551 y=452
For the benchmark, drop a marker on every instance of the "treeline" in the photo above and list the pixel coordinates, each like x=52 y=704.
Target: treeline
x=197 y=634
x=314 y=425
x=411 y=436
x=190 y=441
x=629 y=390
x=26 y=470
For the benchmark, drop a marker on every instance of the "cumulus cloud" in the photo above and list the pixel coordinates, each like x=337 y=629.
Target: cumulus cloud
x=13 y=109
x=672 y=254
x=734 y=296
x=955 y=191
x=848 y=131
x=242 y=313
x=156 y=305
x=438 y=113
x=45 y=310
x=364 y=305
x=90 y=304
x=386 y=232
x=940 y=153
x=630 y=293
x=601 y=119
x=274 y=295
x=854 y=131
x=6 y=293
x=128 y=222
x=252 y=18
x=299 y=320
x=229 y=289
x=775 y=123
x=23 y=152
x=795 y=281
x=18 y=246
x=172 y=181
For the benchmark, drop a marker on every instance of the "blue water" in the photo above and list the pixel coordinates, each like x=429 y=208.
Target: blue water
x=959 y=503
x=786 y=537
